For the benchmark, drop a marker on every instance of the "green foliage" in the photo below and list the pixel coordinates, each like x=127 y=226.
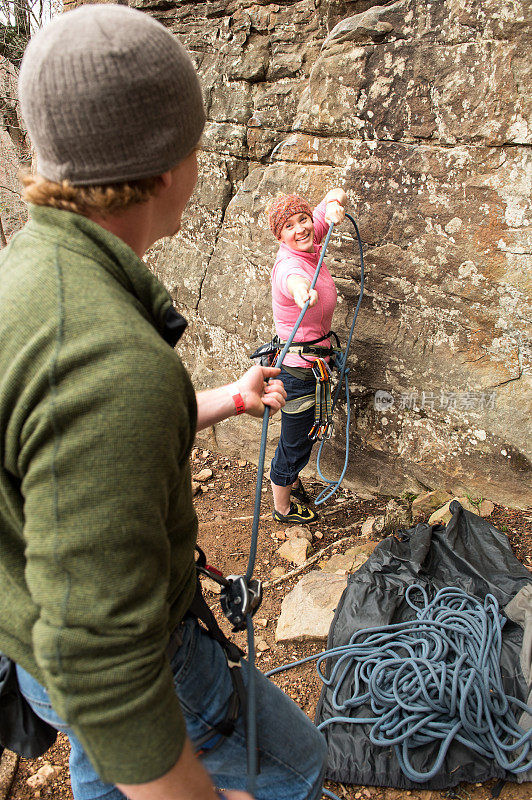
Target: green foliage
x=475 y=501
x=409 y=496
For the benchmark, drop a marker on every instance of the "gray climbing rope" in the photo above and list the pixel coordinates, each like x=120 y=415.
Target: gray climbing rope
x=433 y=679
x=332 y=486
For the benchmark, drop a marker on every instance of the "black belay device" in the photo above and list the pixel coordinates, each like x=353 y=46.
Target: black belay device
x=238 y=596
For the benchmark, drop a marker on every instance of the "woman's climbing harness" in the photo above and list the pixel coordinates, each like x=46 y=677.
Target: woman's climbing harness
x=434 y=679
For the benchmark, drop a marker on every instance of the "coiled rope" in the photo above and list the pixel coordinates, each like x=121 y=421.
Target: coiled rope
x=436 y=678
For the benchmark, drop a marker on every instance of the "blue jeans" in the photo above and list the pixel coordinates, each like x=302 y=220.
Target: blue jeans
x=294 y=448
x=292 y=750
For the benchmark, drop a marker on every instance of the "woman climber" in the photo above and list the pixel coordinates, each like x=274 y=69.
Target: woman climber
x=300 y=230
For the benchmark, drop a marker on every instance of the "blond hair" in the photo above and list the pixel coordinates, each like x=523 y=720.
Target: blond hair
x=104 y=199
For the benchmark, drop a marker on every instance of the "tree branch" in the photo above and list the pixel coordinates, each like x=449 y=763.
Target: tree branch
x=3 y=240
x=13 y=128
x=308 y=563
x=8 y=189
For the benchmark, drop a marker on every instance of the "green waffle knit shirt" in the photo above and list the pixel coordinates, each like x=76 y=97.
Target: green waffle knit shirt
x=97 y=526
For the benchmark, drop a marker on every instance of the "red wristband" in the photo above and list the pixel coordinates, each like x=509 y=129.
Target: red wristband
x=239 y=403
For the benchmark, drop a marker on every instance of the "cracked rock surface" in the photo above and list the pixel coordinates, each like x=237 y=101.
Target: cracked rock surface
x=421 y=111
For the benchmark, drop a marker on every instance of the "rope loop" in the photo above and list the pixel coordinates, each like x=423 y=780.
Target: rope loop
x=433 y=679
x=332 y=486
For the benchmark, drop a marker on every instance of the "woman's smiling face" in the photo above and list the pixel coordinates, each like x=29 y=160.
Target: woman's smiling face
x=298 y=232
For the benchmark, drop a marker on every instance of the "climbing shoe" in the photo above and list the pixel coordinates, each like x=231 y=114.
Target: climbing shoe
x=297 y=514
x=301 y=494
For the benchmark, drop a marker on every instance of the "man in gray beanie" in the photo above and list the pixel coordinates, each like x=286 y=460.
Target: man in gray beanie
x=97 y=420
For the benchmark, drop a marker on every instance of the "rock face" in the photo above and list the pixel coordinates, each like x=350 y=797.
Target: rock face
x=295 y=550
x=308 y=610
x=424 y=504
x=421 y=111
x=350 y=561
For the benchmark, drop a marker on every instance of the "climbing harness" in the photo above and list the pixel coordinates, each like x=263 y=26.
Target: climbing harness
x=433 y=679
x=320 y=372
x=268 y=353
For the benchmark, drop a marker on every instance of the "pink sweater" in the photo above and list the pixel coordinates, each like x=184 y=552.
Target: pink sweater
x=317 y=320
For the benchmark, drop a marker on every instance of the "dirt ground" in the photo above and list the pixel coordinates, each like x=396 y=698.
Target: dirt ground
x=225 y=510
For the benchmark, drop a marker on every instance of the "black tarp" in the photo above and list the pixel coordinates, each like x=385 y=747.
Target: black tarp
x=468 y=553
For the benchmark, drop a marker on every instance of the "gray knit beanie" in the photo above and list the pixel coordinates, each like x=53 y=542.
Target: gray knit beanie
x=109 y=95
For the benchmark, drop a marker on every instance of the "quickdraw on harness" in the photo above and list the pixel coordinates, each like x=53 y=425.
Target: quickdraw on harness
x=323 y=421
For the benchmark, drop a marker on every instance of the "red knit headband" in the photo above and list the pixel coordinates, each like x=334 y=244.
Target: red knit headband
x=283 y=208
